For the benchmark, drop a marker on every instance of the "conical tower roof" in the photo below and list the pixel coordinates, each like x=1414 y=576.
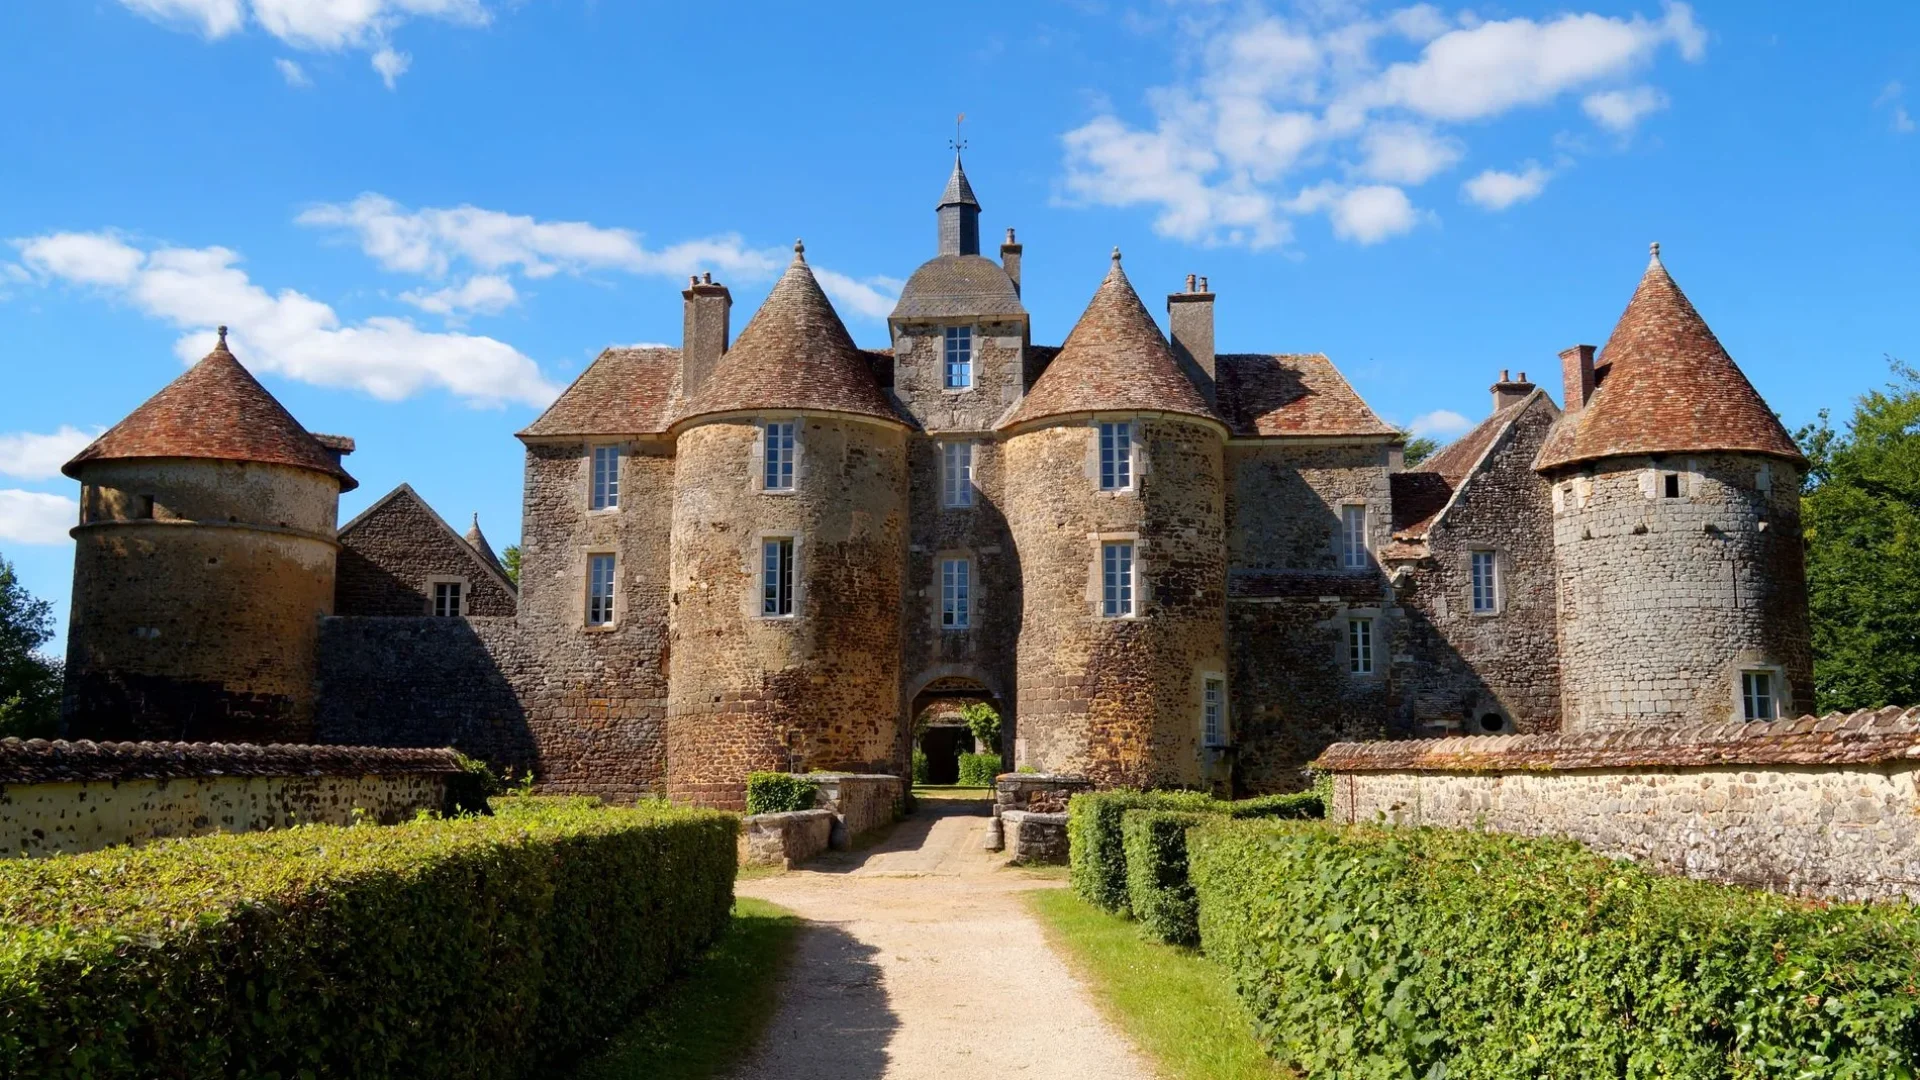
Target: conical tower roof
x=1668 y=387
x=794 y=354
x=477 y=540
x=217 y=410
x=1114 y=360
x=959 y=192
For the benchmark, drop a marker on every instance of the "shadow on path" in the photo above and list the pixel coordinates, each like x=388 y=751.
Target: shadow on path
x=915 y=844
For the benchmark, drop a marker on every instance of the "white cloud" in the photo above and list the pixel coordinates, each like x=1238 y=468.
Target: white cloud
x=1902 y=120
x=292 y=72
x=1497 y=190
x=1327 y=93
x=391 y=65
x=288 y=333
x=209 y=18
x=1893 y=94
x=30 y=456
x=1620 y=111
x=316 y=25
x=33 y=517
x=482 y=294
x=872 y=298
x=1440 y=424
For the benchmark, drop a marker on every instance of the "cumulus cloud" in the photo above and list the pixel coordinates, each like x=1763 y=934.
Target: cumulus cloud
x=871 y=298
x=391 y=65
x=291 y=71
x=1497 y=190
x=1282 y=113
x=315 y=25
x=286 y=332
x=33 y=517
x=1894 y=96
x=1441 y=424
x=31 y=456
x=481 y=294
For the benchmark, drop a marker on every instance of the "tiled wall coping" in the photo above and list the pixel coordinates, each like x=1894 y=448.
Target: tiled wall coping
x=42 y=761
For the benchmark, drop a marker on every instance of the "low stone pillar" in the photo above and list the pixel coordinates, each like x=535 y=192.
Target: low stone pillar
x=1035 y=839
x=784 y=840
x=1040 y=793
x=859 y=802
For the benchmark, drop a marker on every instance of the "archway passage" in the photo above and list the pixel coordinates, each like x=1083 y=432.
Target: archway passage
x=940 y=731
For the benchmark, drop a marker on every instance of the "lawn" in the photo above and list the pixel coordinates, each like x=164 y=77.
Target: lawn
x=1173 y=1003
x=713 y=1015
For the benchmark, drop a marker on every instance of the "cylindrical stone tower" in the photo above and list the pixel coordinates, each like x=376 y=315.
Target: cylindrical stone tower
x=1677 y=545
x=789 y=558
x=203 y=563
x=1116 y=501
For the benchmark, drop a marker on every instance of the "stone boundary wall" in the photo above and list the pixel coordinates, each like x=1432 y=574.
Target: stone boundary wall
x=859 y=802
x=1820 y=806
x=784 y=840
x=80 y=796
x=1033 y=838
x=1043 y=793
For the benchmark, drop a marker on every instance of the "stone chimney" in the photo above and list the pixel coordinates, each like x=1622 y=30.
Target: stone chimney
x=705 y=333
x=1190 y=320
x=1576 y=368
x=1510 y=391
x=1010 y=260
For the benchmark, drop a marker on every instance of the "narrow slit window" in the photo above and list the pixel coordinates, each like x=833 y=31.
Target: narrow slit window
x=1116 y=456
x=776 y=576
x=1116 y=573
x=956 y=474
x=599 y=590
x=446 y=599
x=606 y=478
x=959 y=355
x=1672 y=485
x=1485 y=585
x=1213 y=711
x=778 y=450
x=1360 y=646
x=1353 y=537
x=956 y=594
x=1757 y=695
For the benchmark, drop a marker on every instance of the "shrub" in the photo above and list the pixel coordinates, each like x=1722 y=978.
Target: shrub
x=983 y=723
x=469 y=789
x=978 y=770
x=920 y=766
x=1096 y=851
x=1300 y=804
x=1158 y=891
x=779 y=793
x=1370 y=952
x=488 y=947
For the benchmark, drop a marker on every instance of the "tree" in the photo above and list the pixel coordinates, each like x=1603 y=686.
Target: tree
x=983 y=722
x=510 y=559
x=1860 y=511
x=1419 y=448
x=29 y=682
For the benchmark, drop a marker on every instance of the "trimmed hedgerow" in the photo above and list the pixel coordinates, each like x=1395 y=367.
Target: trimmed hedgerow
x=979 y=770
x=1368 y=952
x=1158 y=891
x=487 y=947
x=1300 y=804
x=779 y=793
x=1096 y=850
x=920 y=773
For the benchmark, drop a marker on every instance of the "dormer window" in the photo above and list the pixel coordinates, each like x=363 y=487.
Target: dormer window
x=959 y=357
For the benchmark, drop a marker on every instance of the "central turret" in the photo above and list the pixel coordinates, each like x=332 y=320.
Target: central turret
x=959 y=215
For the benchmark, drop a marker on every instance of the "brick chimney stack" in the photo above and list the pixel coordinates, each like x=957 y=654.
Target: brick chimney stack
x=1576 y=368
x=1190 y=322
x=704 y=335
x=1510 y=391
x=1010 y=260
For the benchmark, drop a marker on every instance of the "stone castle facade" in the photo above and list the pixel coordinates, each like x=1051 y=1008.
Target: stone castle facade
x=1166 y=565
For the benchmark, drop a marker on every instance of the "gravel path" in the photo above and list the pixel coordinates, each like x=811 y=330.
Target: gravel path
x=920 y=961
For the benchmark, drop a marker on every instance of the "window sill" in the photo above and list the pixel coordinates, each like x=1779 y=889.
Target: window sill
x=600 y=628
x=780 y=492
x=597 y=510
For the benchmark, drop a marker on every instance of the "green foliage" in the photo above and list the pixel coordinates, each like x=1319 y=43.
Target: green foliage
x=1374 y=953
x=1861 y=516
x=1300 y=804
x=29 y=682
x=1096 y=849
x=779 y=793
x=983 y=722
x=483 y=947
x=1158 y=892
x=469 y=789
x=978 y=770
x=920 y=773
x=1419 y=448
x=510 y=562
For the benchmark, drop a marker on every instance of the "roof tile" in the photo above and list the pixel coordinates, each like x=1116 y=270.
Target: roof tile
x=623 y=392
x=1291 y=394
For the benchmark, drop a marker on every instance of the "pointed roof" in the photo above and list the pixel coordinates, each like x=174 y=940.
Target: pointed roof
x=407 y=497
x=794 y=355
x=1424 y=493
x=1114 y=360
x=477 y=540
x=959 y=192
x=217 y=410
x=1667 y=386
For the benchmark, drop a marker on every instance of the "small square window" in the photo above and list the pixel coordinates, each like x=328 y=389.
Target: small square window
x=956 y=474
x=1353 y=537
x=446 y=599
x=956 y=594
x=959 y=357
x=600 y=590
x=1360 y=646
x=776 y=576
x=1757 y=696
x=1116 y=579
x=1672 y=486
x=1116 y=456
x=1213 y=711
x=1485 y=571
x=777 y=446
x=606 y=478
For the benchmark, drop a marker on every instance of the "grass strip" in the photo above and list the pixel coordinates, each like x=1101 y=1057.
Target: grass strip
x=1172 y=1002
x=713 y=1016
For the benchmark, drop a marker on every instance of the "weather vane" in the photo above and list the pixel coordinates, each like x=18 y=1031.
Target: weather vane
x=957 y=144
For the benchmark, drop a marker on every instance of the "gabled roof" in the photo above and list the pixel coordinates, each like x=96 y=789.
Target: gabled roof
x=477 y=540
x=1669 y=388
x=625 y=391
x=794 y=354
x=217 y=410
x=958 y=285
x=1290 y=394
x=487 y=563
x=1423 y=494
x=1114 y=360
x=959 y=192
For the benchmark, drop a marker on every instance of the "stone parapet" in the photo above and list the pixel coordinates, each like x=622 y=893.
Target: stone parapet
x=1035 y=838
x=1044 y=793
x=859 y=803
x=784 y=840
x=58 y=761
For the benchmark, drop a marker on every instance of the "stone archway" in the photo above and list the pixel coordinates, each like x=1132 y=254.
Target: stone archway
x=932 y=724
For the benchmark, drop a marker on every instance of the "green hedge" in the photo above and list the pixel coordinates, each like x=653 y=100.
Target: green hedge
x=920 y=766
x=979 y=770
x=1366 y=952
x=486 y=947
x=1158 y=891
x=1096 y=849
x=1300 y=804
x=779 y=793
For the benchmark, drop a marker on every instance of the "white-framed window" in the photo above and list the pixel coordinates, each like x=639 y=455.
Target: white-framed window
x=1484 y=570
x=1116 y=455
x=959 y=357
x=776 y=576
x=600 y=589
x=778 y=442
x=956 y=474
x=1759 y=698
x=1213 y=710
x=956 y=594
x=1116 y=579
x=447 y=596
x=1353 y=536
x=1360 y=646
x=604 y=493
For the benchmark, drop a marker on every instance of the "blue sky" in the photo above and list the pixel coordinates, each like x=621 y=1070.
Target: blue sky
x=422 y=217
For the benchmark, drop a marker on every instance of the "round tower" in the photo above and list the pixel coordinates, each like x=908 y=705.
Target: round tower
x=1677 y=545
x=1116 y=501
x=788 y=557
x=203 y=563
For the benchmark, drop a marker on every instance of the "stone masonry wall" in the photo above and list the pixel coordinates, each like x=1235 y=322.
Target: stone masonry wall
x=390 y=557
x=1663 y=601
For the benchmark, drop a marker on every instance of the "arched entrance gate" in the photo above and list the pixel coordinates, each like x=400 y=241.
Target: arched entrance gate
x=935 y=727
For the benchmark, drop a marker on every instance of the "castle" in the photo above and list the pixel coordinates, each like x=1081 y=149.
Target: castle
x=1164 y=564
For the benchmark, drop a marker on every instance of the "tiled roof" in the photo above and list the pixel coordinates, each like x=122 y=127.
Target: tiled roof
x=1423 y=492
x=958 y=285
x=959 y=192
x=623 y=392
x=481 y=553
x=1114 y=360
x=40 y=761
x=216 y=410
x=1860 y=738
x=1290 y=394
x=794 y=354
x=1670 y=388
